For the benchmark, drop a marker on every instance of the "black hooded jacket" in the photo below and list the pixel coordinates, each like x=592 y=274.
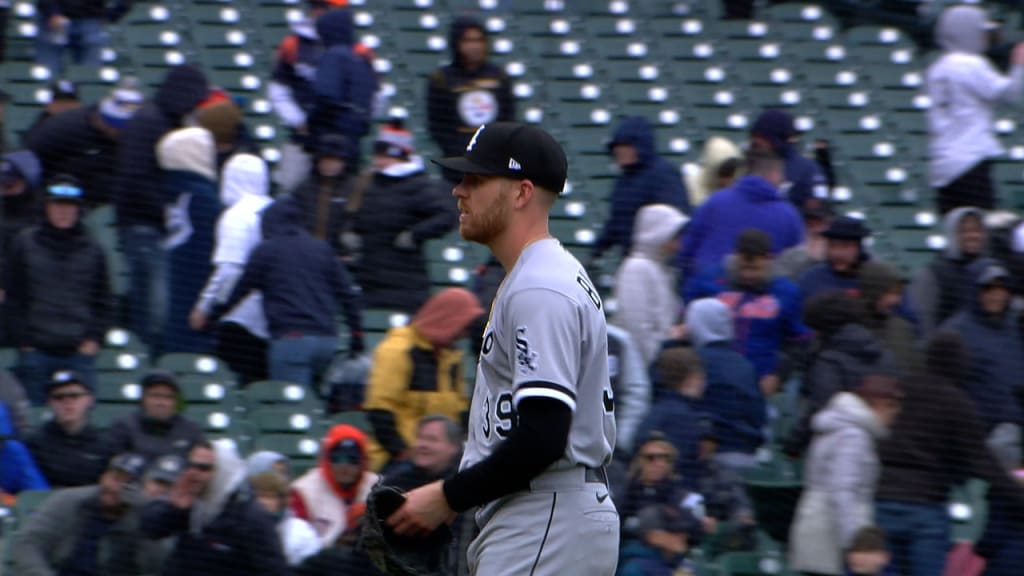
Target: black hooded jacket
x=301 y=279
x=448 y=85
x=58 y=289
x=138 y=187
x=70 y=143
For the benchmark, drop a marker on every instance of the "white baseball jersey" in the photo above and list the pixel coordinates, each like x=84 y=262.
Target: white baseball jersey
x=546 y=337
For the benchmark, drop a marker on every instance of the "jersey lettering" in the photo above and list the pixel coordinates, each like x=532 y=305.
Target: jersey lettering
x=487 y=418
x=589 y=289
x=488 y=343
x=504 y=412
x=609 y=401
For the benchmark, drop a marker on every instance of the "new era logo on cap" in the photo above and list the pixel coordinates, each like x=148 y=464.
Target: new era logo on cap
x=513 y=150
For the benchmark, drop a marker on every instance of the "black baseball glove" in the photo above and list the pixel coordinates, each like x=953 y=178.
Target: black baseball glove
x=396 y=555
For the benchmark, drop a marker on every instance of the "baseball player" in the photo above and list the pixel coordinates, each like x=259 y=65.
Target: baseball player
x=541 y=425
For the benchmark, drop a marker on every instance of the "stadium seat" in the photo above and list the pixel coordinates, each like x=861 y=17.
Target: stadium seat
x=281 y=420
x=774 y=491
x=353 y=418
x=297 y=448
x=752 y=564
x=114 y=360
x=279 y=393
x=118 y=387
x=213 y=418
x=105 y=414
x=204 y=389
x=184 y=363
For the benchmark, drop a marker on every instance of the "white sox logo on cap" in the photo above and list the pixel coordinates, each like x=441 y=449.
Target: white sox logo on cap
x=472 y=142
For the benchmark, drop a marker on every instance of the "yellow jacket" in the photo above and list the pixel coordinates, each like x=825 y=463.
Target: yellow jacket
x=410 y=380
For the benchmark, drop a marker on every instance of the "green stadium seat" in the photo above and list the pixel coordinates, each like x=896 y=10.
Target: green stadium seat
x=123 y=339
x=185 y=363
x=776 y=96
x=629 y=48
x=114 y=360
x=293 y=446
x=231 y=59
x=118 y=387
x=711 y=96
x=610 y=26
x=379 y=320
x=281 y=420
x=774 y=491
x=279 y=393
x=353 y=418
x=220 y=36
x=216 y=14
x=213 y=418
x=862 y=36
x=203 y=389
x=103 y=415
x=752 y=564
x=873 y=146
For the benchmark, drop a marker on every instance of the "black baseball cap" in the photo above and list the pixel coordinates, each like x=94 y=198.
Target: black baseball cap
x=753 y=243
x=64 y=188
x=513 y=150
x=133 y=464
x=63 y=378
x=166 y=468
x=64 y=89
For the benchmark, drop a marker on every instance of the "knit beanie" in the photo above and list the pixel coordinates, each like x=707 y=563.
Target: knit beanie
x=121 y=104
x=395 y=141
x=446 y=315
x=222 y=119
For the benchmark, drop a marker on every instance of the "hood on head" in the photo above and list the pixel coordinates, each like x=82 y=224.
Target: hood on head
x=947 y=357
x=709 y=320
x=716 y=151
x=656 y=224
x=637 y=132
x=335 y=27
x=188 y=150
x=857 y=341
x=335 y=436
x=459 y=27
x=263 y=461
x=963 y=29
x=876 y=279
x=229 y=474
x=443 y=318
x=827 y=313
x=183 y=88
x=847 y=410
x=951 y=226
x=282 y=218
x=243 y=175
x=27 y=164
x=777 y=128
x=304 y=27
x=984 y=271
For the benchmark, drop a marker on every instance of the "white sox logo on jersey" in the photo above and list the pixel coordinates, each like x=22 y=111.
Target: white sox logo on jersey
x=526 y=358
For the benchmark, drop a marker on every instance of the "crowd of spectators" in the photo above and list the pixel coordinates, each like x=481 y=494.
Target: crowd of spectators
x=751 y=328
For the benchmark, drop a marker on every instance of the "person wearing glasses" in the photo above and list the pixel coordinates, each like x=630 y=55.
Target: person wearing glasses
x=652 y=480
x=68 y=448
x=58 y=300
x=220 y=526
x=331 y=495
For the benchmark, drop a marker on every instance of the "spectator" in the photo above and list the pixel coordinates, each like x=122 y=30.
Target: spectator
x=434 y=456
x=841 y=473
x=631 y=387
x=937 y=443
x=68 y=448
x=467 y=93
x=20 y=177
x=719 y=165
x=140 y=198
x=89 y=529
x=486 y=281
x=869 y=554
x=242 y=334
x=291 y=91
x=302 y=283
x=161 y=476
x=417 y=371
x=18 y=471
x=188 y=159
x=774 y=133
x=328 y=494
x=12 y=394
x=880 y=290
x=845 y=353
x=652 y=481
x=63 y=97
x=393 y=218
x=675 y=411
x=83 y=141
x=156 y=428
x=992 y=339
x=724 y=507
x=732 y=400
x=940 y=289
x=647 y=306
x=666 y=534
x=646 y=178
x=58 y=293
x=765 y=307
x=221 y=115
x=793 y=262
x=325 y=197
x=75 y=25
x=752 y=202
x=267 y=461
x=220 y=527
x=844 y=254
x=345 y=84
x=298 y=539
x=965 y=89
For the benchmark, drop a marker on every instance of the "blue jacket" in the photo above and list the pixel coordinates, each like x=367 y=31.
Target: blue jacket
x=822 y=278
x=652 y=180
x=803 y=175
x=18 y=471
x=764 y=320
x=678 y=418
x=732 y=399
x=301 y=279
x=752 y=202
x=641 y=559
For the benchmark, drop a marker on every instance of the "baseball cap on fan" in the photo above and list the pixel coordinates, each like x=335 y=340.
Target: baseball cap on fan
x=513 y=150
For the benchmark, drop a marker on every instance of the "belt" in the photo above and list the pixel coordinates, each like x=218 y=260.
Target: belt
x=569 y=478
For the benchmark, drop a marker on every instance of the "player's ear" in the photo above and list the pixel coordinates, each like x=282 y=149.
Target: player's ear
x=525 y=191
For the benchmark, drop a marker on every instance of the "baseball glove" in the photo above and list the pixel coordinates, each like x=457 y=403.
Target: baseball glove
x=396 y=555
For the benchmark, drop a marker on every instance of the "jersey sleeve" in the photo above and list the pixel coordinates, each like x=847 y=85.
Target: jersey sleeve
x=546 y=331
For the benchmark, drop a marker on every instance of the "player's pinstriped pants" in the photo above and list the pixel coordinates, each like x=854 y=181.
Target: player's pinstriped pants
x=564 y=526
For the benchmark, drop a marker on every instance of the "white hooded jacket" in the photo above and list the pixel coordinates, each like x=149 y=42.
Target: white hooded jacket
x=244 y=190
x=964 y=89
x=647 y=304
